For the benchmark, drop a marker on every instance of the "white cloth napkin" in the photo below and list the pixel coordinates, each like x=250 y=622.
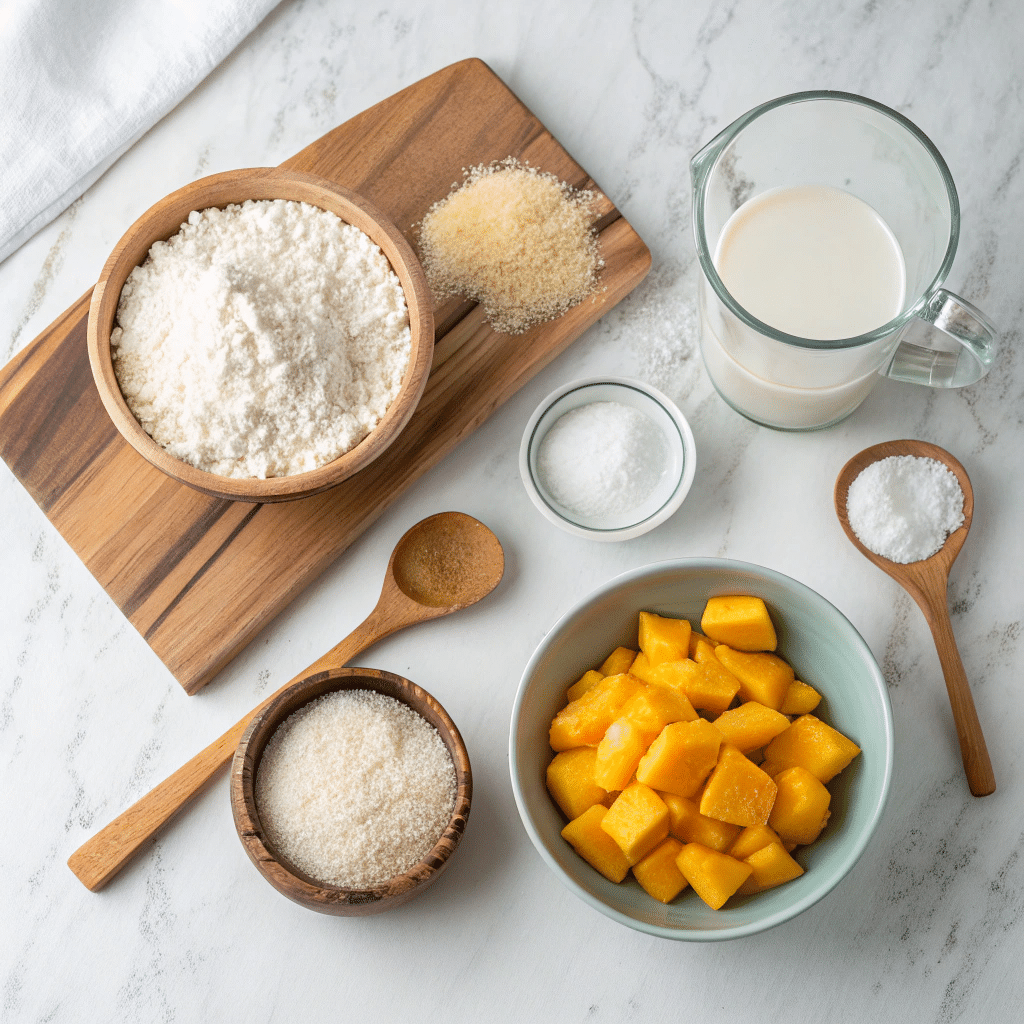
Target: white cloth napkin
x=82 y=80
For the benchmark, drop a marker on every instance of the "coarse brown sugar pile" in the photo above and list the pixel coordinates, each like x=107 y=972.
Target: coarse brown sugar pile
x=515 y=239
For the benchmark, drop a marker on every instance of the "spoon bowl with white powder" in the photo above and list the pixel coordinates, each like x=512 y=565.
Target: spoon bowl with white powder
x=261 y=335
x=907 y=506
x=351 y=791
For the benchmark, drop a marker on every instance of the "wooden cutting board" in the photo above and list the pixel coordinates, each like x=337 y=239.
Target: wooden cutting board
x=198 y=577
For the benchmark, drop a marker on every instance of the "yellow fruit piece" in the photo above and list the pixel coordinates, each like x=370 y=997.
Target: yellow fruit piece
x=594 y=845
x=642 y=668
x=637 y=821
x=738 y=791
x=751 y=839
x=763 y=677
x=714 y=876
x=584 y=722
x=570 y=779
x=800 y=699
x=654 y=707
x=618 y=754
x=813 y=745
x=708 y=687
x=658 y=873
x=696 y=640
x=741 y=622
x=679 y=760
x=663 y=639
x=770 y=866
x=585 y=682
x=617 y=662
x=750 y=726
x=687 y=824
x=801 y=807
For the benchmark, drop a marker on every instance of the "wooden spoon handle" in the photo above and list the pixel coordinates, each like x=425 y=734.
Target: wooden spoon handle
x=102 y=856
x=977 y=766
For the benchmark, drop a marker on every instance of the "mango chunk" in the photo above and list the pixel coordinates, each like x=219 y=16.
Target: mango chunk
x=687 y=824
x=738 y=791
x=813 y=745
x=800 y=699
x=584 y=722
x=750 y=726
x=658 y=873
x=739 y=621
x=663 y=639
x=714 y=876
x=619 y=753
x=770 y=866
x=752 y=839
x=763 y=677
x=679 y=760
x=585 y=682
x=801 y=806
x=654 y=707
x=642 y=668
x=594 y=845
x=637 y=821
x=708 y=686
x=617 y=662
x=570 y=779
x=696 y=640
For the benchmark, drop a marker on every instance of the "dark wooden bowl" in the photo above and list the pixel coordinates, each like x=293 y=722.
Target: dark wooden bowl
x=287 y=878
x=164 y=219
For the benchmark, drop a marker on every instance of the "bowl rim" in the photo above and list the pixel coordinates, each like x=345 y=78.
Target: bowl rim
x=671 y=505
x=285 y=876
x=786 y=913
x=163 y=219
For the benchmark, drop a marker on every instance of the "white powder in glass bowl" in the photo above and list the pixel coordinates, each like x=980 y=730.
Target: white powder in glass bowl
x=262 y=340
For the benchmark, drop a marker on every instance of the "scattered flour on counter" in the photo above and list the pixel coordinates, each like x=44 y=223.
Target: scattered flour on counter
x=262 y=340
x=904 y=507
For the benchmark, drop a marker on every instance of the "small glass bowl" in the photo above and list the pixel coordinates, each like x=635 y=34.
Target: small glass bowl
x=668 y=493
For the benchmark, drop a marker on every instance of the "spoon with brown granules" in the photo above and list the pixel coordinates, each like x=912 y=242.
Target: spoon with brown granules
x=445 y=562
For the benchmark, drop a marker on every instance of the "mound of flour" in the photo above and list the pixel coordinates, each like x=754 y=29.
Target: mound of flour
x=261 y=340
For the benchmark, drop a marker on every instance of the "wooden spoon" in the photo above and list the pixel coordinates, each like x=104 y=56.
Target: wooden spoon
x=926 y=582
x=446 y=562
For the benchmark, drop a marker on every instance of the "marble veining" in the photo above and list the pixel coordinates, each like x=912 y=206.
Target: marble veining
x=926 y=929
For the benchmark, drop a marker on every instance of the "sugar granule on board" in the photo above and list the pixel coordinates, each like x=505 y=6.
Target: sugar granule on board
x=904 y=507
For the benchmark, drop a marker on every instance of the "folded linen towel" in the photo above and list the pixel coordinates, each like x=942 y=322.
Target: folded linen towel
x=80 y=82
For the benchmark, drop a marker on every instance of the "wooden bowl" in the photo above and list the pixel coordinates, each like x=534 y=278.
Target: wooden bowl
x=287 y=878
x=164 y=219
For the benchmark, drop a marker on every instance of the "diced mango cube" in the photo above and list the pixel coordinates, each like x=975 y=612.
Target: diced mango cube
x=714 y=876
x=738 y=791
x=619 y=753
x=584 y=722
x=750 y=840
x=708 y=687
x=813 y=745
x=770 y=866
x=763 y=677
x=739 y=621
x=642 y=668
x=696 y=641
x=658 y=873
x=584 y=683
x=663 y=639
x=594 y=845
x=654 y=707
x=750 y=726
x=637 y=821
x=570 y=779
x=801 y=806
x=800 y=699
x=687 y=824
x=679 y=760
x=617 y=662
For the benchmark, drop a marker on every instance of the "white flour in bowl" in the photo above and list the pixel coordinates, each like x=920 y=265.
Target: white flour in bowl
x=261 y=340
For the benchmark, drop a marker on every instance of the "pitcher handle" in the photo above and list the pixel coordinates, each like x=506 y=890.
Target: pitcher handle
x=938 y=368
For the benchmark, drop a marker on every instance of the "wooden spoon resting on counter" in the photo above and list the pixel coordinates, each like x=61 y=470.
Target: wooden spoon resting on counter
x=926 y=581
x=444 y=563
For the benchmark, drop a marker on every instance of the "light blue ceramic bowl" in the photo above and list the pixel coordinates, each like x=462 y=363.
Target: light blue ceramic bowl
x=824 y=649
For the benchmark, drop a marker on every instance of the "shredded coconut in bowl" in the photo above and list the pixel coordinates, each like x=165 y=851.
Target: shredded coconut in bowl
x=262 y=340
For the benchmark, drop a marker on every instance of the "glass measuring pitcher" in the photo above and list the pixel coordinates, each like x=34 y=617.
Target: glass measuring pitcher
x=848 y=143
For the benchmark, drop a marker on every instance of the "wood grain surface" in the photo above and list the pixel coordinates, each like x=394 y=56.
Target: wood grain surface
x=199 y=576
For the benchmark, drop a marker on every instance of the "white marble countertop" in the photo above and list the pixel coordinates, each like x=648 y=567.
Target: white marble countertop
x=927 y=926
